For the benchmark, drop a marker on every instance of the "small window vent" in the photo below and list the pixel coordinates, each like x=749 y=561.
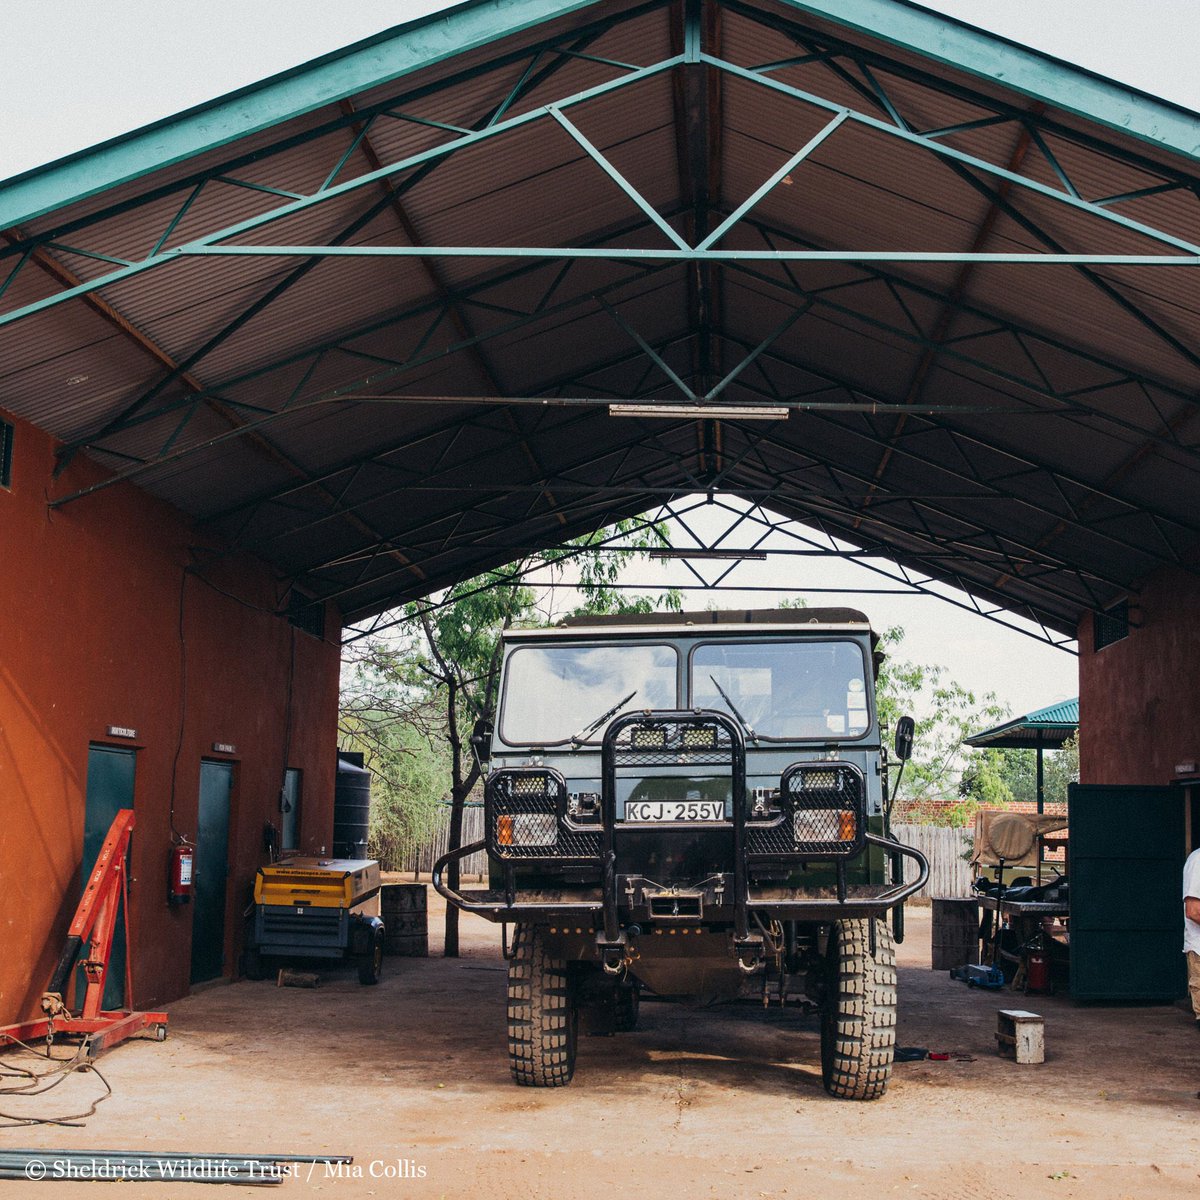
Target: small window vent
x=1111 y=625
x=307 y=615
x=6 y=447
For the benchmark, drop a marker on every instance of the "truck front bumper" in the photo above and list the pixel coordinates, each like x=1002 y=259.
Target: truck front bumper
x=632 y=897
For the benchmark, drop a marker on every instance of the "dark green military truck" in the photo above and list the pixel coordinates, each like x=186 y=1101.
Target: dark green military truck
x=692 y=804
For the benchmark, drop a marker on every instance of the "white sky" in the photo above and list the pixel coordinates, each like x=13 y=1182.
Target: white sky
x=81 y=71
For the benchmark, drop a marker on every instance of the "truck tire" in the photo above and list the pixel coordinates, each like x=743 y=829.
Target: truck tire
x=543 y=1020
x=858 y=1010
x=627 y=1002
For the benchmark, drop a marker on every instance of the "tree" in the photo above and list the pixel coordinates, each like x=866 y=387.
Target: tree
x=1062 y=769
x=442 y=662
x=385 y=716
x=945 y=713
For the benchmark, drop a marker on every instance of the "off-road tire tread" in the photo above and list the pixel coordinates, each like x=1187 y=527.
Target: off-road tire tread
x=857 y=1052
x=542 y=1017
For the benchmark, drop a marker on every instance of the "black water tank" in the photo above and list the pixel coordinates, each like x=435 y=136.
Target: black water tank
x=351 y=806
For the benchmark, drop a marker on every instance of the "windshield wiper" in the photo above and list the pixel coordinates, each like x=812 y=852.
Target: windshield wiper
x=733 y=709
x=612 y=712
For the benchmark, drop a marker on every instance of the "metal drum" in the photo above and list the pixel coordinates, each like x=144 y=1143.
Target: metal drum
x=405 y=916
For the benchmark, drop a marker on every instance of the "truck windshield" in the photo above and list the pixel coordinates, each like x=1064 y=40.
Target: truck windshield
x=800 y=689
x=554 y=692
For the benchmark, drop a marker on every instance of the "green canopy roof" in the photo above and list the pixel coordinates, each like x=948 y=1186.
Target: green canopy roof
x=1048 y=727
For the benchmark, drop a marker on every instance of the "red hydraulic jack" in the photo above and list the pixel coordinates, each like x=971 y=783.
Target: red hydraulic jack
x=95 y=921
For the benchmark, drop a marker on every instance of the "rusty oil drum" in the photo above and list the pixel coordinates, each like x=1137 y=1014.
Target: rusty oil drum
x=404 y=909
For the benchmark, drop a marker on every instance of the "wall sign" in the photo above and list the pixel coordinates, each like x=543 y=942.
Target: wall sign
x=224 y=748
x=122 y=731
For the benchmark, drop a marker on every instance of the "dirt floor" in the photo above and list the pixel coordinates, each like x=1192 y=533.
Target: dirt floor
x=411 y=1079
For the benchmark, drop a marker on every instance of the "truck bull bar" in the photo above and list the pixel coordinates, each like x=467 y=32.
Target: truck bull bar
x=501 y=907
x=707 y=738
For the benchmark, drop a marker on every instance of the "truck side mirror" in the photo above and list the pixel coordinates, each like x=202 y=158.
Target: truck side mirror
x=906 y=727
x=481 y=740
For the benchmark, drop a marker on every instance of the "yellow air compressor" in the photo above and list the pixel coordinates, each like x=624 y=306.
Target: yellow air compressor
x=312 y=908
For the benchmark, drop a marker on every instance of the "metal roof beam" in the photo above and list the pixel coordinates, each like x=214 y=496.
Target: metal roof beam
x=195 y=182
x=420 y=162
x=821 y=509
x=1071 y=401
x=1057 y=476
x=386 y=57
x=343 y=393
x=993 y=485
x=989 y=57
x=492 y=454
x=260 y=444
x=1137 y=506
x=418 y=357
x=208 y=244
x=951 y=514
x=586 y=520
x=790 y=527
x=944 y=322
x=391 y=198
x=376 y=458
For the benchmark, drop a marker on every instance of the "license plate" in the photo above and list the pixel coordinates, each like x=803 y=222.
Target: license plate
x=675 y=810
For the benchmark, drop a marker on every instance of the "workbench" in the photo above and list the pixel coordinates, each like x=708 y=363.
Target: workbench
x=1024 y=908
x=1025 y=918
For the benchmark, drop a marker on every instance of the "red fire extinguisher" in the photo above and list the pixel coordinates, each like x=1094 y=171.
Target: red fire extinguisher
x=1037 y=978
x=179 y=875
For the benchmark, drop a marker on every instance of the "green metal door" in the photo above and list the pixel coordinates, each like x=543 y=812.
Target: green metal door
x=210 y=870
x=1127 y=851
x=109 y=789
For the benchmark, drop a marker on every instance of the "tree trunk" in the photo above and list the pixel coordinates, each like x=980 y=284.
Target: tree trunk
x=460 y=789
x=457 y=804
x=457 y=800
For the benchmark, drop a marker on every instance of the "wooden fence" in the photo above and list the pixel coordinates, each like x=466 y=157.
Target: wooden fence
x=421 y=858
x=947 y=850
x=949 y=872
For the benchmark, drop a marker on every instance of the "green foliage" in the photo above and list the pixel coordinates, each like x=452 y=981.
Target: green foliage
x=408 y=790
x=599 y=573
x=997 y=778
x=410 y=696
x=1061 y=770
x=945 y=713
x=986 y=780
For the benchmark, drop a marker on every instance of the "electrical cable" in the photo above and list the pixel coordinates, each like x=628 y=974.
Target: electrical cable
x=287 y=738
x=176 y=837
x=36 y=1085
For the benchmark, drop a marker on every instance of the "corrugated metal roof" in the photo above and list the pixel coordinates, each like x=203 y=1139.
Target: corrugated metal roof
x=1046 y=458
x=1047 y=727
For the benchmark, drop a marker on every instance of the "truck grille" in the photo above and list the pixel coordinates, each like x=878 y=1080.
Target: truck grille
x=822 y=815
x=524 y=810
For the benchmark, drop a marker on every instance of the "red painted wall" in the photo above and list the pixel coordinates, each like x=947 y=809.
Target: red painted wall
x=89 y=637
x=1139 y=698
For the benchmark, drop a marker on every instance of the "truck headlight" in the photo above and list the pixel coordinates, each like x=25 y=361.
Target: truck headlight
x=526 y=829
x=824 y=825
x=699 y=737
x=826 y=803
